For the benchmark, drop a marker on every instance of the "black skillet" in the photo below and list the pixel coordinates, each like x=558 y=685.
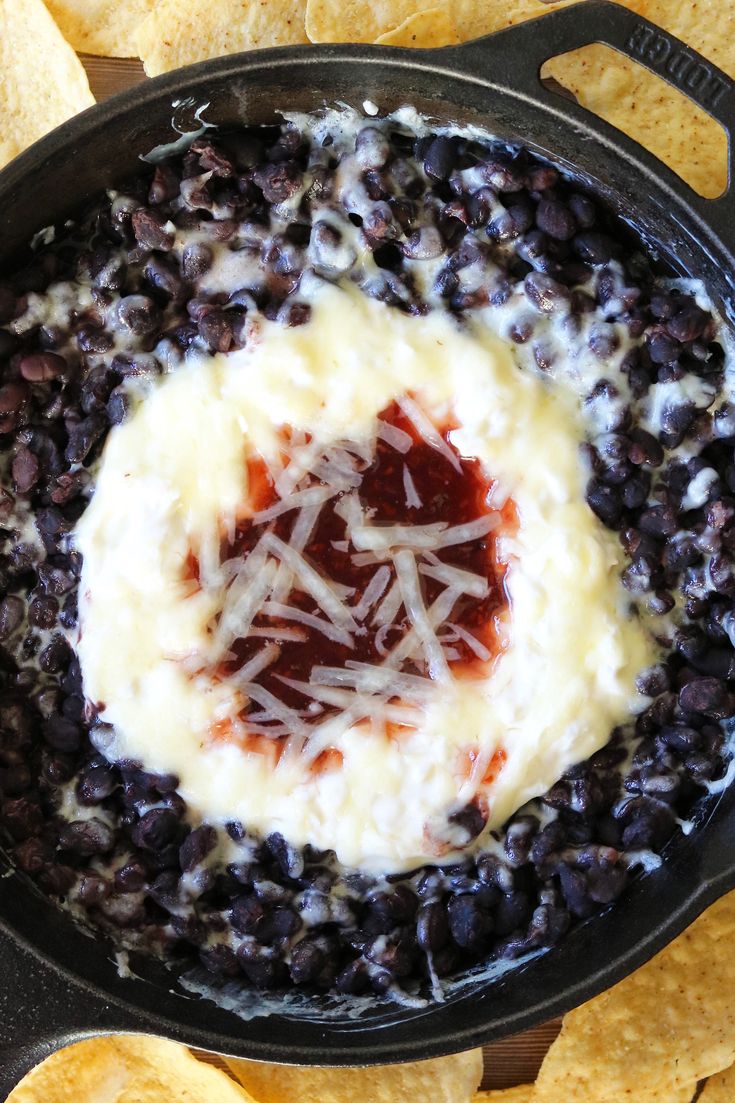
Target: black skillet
x=58 y=984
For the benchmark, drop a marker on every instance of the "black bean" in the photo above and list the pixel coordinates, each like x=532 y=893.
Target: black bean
x=661 y=347
x=512 y=912
x=583 y=209
x=653 y=681
x=196 y=846
x=470 y=926
x=279 y=181
x=395 y=955
x=156 y=829
x=220 y=960
x=161 y=274
x=126 y=911
x=118 y=406
x=139 y=314
x=196 y=259
x=165 y=889
x=502 y=174
x=593 y=248
x=542 y=177
x=150 y=229
x=605 y=501
x=84 y=436
x=33 y=855
x=603 y=342
x=546 y=294
x=635 y=490
x=40 y=367
x=645 y=449
x=260 y=965
x=688 y=323
x=11 y=615
x=43 y=612
x=432 y=926
x=131 y=877
x=290 y=860
x=55 y=656
x=62 y=734
x=247 y=914
x=279 y=923
x=308 y=959
x=25 y=470
x=164 y=185
x=97 y=781
x=387 y=910
x=471 y=819
x=649 y=823
x=575 y=891
x=87 y=837
x=492 y=871
x=13 y=396
x=22 y=817
x=555 y=219
x=658 y=521
x=440 y=158
x=518 y=839
x=722 y=574
x=216 y=328
x=706 y=695
x=510 y=223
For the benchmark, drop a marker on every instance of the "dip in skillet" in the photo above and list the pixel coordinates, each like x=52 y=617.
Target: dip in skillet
x=367 y=509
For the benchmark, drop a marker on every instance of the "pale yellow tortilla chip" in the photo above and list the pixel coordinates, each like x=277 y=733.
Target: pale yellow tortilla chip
x=423 y=30
x=719 y=1088
x=519 y=1094
x=474 y=18
x=443 y=1080
x=524 y=1094
x=42 y=84
x=661 y=1029
x=178 y=33
x=644 y=107
x=362 y=20
x=127 y=1069
x=106 y=27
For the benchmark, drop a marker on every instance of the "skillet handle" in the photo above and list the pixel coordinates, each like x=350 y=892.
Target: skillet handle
x=41 y=1010
x=601 y=21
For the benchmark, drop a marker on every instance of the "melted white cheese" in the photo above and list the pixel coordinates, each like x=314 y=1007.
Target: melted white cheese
x=177 y=468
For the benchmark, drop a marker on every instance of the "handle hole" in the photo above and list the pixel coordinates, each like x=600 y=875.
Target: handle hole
x=662 y=119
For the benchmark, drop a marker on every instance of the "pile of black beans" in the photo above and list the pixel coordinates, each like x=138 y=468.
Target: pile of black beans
x=124 y=295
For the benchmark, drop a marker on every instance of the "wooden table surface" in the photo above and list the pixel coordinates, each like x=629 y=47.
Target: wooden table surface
x=514 y=1060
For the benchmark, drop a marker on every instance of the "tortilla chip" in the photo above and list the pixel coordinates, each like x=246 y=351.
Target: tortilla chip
x=127 y=1069
x=475 y=18
x=43 y=83
x=639 y=103
x=524 y=1094
x=105 y=27
x=520 y=1094
x=424 y=30
x=666 y=1026
x=443 y=1080
x=719 y=1088
x=178 y=33
x=363 y=20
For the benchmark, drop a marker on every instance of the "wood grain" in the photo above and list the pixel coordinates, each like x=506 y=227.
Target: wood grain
x=512 y=1061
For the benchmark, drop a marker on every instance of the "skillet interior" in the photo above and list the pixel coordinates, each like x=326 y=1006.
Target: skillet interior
x=59 y=984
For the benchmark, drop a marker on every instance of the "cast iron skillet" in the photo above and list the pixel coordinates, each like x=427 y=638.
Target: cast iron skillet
x=57 y=984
